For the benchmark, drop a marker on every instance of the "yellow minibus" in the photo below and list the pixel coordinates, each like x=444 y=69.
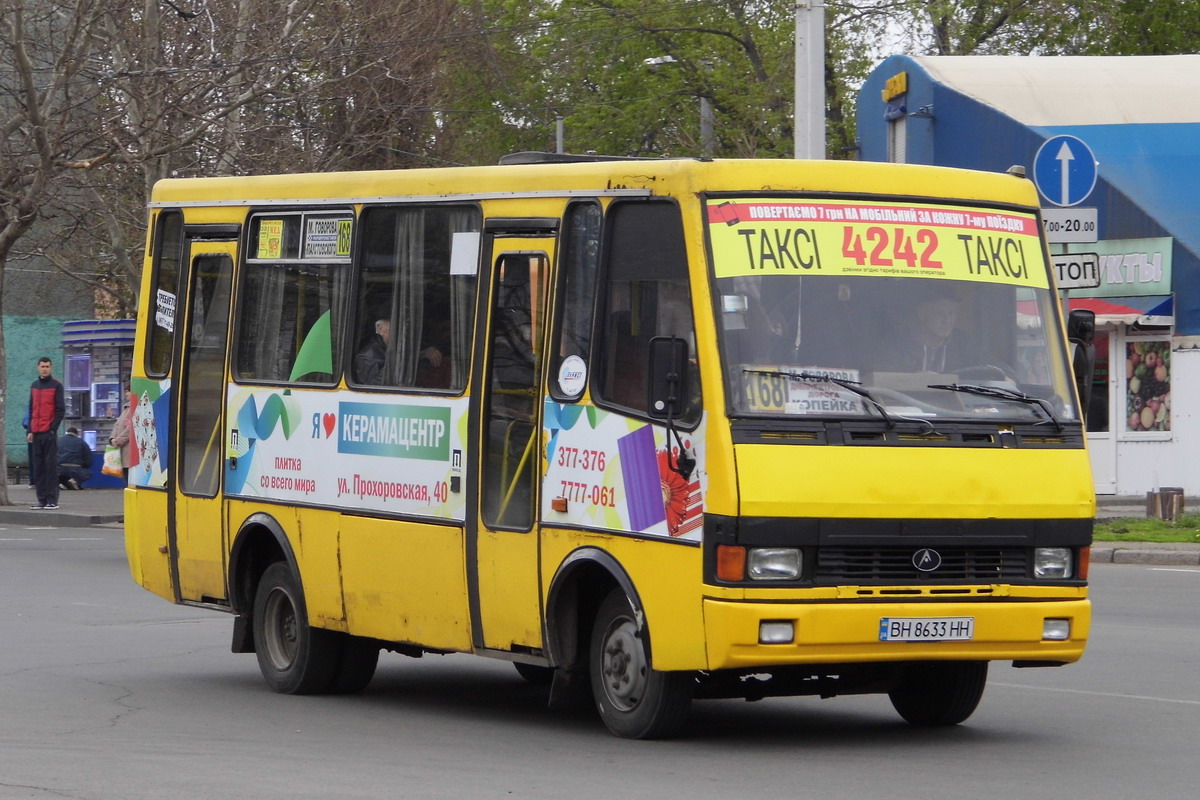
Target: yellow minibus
x=654 y=431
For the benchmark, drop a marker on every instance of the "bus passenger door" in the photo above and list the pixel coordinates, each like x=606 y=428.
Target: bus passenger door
x=197 y=534
x=506 y=417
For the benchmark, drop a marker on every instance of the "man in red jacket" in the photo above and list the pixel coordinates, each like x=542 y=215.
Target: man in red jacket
x=47 y=407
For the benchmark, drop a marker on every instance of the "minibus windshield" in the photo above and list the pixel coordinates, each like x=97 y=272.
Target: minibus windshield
x=934 y=314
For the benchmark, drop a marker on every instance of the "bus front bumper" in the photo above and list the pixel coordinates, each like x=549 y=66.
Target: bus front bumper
x=742 y=634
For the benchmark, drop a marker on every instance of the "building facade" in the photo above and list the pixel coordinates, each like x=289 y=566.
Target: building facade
x=1113 y=144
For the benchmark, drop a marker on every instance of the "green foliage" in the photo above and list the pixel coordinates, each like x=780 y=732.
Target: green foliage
x=628 y=77
x=1154 y=27
x=1139 y=529
x=1001 y=27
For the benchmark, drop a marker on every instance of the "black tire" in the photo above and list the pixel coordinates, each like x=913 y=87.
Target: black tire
x=535 y=674
x=635 y=701
x=293 y=657
x=939 y=693
x=359 y=659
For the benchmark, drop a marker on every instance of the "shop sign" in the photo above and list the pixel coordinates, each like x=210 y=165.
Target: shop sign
x=1131 y=267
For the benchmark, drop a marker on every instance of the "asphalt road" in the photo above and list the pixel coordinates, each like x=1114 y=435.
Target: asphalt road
x=108 y=692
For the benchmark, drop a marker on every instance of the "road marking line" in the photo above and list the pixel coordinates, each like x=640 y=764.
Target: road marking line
x=1118 y=695
x=81 y=538
x=28 y=539
x=1171 y=569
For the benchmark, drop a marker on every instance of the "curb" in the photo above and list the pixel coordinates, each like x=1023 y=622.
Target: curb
x=1144 y=555
x=56 y=519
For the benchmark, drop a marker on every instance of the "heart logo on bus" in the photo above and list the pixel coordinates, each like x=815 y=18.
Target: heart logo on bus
x=328 y=421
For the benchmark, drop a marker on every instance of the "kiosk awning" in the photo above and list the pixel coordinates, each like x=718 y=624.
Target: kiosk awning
x=1153 y=309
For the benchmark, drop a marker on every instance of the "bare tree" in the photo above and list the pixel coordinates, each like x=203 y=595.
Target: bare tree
x=102 y=98
x=221 y=87
x=45 y=94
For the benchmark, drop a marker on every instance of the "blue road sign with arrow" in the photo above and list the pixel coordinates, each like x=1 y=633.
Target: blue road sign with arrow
x=1064 y=170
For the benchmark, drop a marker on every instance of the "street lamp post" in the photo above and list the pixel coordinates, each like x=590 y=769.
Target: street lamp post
x=707 y=118
x=809 y=111
x=707 y=126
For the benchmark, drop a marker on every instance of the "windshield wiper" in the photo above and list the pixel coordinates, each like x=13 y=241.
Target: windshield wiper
x=1000 y=393
x=816 y=377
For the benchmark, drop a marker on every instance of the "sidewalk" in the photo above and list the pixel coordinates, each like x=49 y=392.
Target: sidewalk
x=76 y=509
x=80 y=509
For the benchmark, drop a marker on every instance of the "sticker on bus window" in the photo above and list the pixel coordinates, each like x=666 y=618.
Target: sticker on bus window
x=572 y=375
x=270 y=238
x=164 y=311
x=776 y=236
x=464 y=253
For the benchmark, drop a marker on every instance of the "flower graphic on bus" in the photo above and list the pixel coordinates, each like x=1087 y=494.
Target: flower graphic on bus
x=681 y=498
x=674 y=493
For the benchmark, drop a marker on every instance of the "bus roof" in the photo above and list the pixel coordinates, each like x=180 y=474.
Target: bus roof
x=592 y=178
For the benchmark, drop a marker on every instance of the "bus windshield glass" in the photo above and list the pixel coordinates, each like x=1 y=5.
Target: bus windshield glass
x=886 y=309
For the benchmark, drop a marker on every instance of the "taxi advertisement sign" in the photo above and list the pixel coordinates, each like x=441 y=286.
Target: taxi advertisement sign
x=759 y=236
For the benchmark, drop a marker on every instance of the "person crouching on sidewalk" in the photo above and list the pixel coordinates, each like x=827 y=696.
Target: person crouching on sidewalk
x=74 y=460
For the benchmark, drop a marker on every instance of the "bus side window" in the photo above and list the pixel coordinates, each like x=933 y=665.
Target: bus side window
x=646 y=294
x=168 y=251
x=578 y=265
x=290 y=321
x=413 y=321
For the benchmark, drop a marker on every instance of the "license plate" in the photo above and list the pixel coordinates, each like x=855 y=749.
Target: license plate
x=926 y=629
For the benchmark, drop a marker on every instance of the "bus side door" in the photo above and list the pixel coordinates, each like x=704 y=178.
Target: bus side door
x=506 y=417
x=197 y=530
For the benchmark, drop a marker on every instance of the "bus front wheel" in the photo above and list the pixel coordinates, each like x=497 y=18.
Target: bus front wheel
x=634 y=700
x=939 y=693
x=293 y=657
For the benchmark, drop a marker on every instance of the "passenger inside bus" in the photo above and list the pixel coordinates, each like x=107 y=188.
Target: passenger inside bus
x=433 y=366
x=372 y=356
x=927 y=343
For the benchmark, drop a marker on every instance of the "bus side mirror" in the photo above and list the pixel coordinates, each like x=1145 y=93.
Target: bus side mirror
x=1081 y=332
x=1081 y=326
x=668 y=380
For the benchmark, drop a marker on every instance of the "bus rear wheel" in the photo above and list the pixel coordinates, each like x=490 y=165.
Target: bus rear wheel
x=293 y=657
x=635 y=701
x=939 y=693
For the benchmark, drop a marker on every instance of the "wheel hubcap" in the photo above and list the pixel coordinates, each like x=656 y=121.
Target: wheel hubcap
x=624 y=668
x=280 y=629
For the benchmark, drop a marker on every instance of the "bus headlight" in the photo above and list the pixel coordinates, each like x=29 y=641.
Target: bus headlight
x=1051 y=563
x=1056 y=630
x=776 y=631
x=774 y=563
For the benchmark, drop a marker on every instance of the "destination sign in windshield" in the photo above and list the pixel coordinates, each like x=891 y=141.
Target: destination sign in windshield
x=846 y=237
